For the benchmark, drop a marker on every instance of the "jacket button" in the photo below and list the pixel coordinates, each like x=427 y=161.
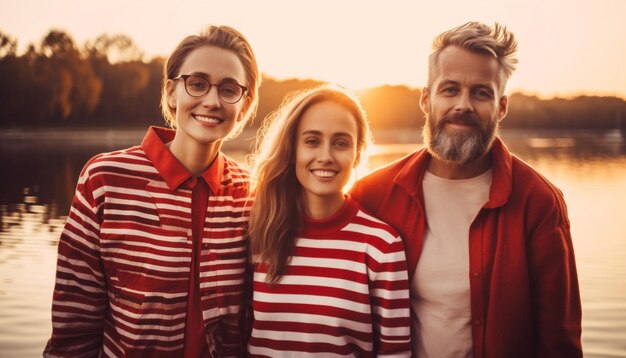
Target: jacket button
x=476 y=275
x=477 y=322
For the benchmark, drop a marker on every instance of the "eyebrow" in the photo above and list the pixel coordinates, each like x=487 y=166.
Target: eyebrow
x=456 y=83
x=311 y=131
x=448 y=82
x=206 y=76
x=485 y=87
x=316 y=132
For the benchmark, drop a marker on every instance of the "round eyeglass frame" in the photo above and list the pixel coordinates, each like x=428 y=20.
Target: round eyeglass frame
x=244 y=89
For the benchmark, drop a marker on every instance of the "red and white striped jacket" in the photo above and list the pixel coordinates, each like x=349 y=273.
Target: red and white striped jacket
x=345 y=293
x=125 y=253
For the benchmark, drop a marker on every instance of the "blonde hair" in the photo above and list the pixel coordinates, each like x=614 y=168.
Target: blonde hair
x=480 y=38
x=276 y=214
x=226 y=38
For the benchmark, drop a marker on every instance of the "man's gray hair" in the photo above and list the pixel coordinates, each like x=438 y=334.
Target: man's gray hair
x=480 y=38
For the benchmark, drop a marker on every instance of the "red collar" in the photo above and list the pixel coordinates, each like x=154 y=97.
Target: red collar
x=171 y=170
x=501 y=162
x=313 y=227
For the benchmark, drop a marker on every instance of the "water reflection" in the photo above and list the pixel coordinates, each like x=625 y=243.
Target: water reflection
x=39 y=185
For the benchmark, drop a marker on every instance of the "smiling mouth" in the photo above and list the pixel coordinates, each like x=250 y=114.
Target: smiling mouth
x=462 y=123
x=207 y=119
x=324 y=173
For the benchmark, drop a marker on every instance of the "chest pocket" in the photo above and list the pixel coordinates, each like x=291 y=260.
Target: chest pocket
x=144 y=240
x=139 y=258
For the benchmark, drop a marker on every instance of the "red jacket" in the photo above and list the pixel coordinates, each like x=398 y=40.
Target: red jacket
x=524 y=288
x=125 y=256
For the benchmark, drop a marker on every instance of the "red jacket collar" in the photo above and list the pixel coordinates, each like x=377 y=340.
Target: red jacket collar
x=171 y=170
x=413 y=172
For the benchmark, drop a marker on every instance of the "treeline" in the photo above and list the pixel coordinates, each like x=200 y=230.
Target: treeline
x=107 y=83
x=582 y=112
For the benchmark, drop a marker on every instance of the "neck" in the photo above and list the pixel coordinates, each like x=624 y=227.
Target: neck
x=451 y=170
x=321 y=207
x=193 y=156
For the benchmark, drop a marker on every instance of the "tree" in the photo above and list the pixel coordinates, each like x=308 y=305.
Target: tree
x=76 y=88
x=9 y=67
x=114 y=49
x=8 y=46
x=60 y=46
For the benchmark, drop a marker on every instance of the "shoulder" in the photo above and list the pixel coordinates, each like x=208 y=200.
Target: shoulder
x=371 y=190
x=542 y=197
x=377 y=224
x=235 y=175
x=133 y=155
x=366 y=223
x=129 y=159
x=118 y=168
x=381 y=241
x=528 y=179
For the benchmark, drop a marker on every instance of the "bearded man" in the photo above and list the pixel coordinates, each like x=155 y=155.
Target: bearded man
x=488 y=241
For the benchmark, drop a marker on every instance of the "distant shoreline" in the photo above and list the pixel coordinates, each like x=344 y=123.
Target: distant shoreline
x=110 y=138
x=126 y=137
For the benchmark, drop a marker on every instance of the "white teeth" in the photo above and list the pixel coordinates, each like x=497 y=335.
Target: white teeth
x=324 y=173
x=206 y=119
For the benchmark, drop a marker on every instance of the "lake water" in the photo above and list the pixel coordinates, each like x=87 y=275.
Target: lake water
x=40 y=173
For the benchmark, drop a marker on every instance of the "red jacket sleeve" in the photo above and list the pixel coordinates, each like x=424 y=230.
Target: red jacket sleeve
x=79 y=299
x=554 y=283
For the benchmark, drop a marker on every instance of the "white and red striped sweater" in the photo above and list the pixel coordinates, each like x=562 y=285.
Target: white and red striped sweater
x=345 y=293
x=125 y=253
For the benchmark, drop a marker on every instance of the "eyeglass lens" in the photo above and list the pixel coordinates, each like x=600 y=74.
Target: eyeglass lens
x=227 y=92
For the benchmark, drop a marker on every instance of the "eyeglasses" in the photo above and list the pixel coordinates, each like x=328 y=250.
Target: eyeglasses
x=199 y=86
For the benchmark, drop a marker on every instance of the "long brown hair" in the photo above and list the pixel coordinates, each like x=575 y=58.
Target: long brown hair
x=277 y=211
x=226 y=38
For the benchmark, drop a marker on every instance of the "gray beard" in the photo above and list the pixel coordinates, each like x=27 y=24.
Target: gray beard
x=456 y=146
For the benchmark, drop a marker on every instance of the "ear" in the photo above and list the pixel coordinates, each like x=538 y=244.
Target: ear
x=425 y=100
x=357 y=160
x=244 y=109
x=171 y=93
x=503 y=107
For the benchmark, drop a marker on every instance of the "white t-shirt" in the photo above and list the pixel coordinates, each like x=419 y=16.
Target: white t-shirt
x=441 y=284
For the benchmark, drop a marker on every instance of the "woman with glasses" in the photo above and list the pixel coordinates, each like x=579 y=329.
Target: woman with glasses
x=329 y=279
x=152 y=258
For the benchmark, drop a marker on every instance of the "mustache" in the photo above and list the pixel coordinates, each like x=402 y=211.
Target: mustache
x=461 y=118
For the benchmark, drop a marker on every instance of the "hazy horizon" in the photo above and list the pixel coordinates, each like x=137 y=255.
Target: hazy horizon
x=565 y=48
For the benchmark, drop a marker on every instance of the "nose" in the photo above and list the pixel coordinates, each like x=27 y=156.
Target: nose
x=464 y=103
x=324 y=154
x=211 y=99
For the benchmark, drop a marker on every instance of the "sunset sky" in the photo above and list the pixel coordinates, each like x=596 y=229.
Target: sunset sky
x=565 y=47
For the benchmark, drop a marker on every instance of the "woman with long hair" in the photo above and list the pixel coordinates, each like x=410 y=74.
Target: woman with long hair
x=153 y=255
x=329 y=278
